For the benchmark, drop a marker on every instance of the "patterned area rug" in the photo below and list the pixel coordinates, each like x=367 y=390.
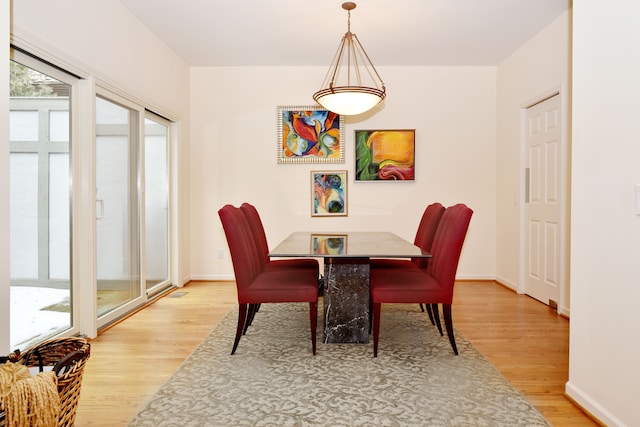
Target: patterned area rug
x=274 y=380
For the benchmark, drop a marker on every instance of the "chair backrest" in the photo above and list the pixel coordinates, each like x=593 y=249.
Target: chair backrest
x=427 y=230
x=257 y=229
x=244 y=256
x=447 y=244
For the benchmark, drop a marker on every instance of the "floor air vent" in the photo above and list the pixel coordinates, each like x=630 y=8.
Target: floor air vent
x=178 y=294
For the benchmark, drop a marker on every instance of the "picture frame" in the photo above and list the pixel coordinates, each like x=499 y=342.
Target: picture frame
x=310 y=134
x=329 y=193
x=385 y=155
x=329 y=244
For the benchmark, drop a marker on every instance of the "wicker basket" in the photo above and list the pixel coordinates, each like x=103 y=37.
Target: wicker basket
x=68 y=356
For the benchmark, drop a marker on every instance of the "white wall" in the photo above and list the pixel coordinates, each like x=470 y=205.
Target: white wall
x=537 y=69
x=605 y=244
x=234 y=157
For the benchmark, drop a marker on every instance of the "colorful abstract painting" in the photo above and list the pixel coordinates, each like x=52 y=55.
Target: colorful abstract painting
x=310 y=135
x=329 y=193
x=385 y=155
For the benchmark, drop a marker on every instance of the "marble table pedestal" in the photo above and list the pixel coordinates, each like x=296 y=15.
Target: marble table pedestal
x=346 y=300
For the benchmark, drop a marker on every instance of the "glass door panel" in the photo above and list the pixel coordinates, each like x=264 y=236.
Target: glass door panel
x=156 y=172
x=117 y=213
x=40 y=197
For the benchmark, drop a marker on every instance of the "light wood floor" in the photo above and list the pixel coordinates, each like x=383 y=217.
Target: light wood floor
x=526 y=341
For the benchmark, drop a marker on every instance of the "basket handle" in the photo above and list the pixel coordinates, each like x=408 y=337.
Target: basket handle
x=26 y=356
x=65 y=364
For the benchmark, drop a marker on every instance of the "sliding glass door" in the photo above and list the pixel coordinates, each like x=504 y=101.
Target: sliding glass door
x=132 y=205
x=67 y=277
x=117 y=209
x=41 y=298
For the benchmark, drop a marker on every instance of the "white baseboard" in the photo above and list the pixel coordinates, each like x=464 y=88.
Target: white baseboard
x=212 y=277
x=479 y=277
x=507 y=283
x=591 y=406
x=226 y=277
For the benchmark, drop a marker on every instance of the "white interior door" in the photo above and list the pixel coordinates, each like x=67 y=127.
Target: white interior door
x=543 y=211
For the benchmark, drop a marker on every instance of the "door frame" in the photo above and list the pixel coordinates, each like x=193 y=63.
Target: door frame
x=561 y=90
x=160 y=287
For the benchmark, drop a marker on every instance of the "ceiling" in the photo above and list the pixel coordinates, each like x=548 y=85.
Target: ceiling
x=307 y=32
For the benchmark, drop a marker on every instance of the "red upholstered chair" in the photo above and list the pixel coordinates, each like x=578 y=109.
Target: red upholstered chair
x=424 y=239
x=433 y=286
x=262 y=247
x=257 y=285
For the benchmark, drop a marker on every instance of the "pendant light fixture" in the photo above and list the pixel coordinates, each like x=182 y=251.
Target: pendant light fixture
x=350 y=96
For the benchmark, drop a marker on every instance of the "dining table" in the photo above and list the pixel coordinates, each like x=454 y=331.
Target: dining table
x=346 y=257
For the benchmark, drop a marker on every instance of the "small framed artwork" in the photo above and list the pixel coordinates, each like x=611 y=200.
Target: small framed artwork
x=310 y=134
x=329 y=244
x=329 y=193
x=385 y=155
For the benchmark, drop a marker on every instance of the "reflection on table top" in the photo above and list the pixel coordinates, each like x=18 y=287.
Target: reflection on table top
x=362 y=244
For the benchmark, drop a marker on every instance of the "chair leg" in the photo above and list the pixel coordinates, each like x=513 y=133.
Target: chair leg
x=242 y=317
x=253 y=309
x=436 y=316
x=370 y=314
x=430 y=313
x=313 y=317
x=446 y=311
x=376 y=327
x=422 y=308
